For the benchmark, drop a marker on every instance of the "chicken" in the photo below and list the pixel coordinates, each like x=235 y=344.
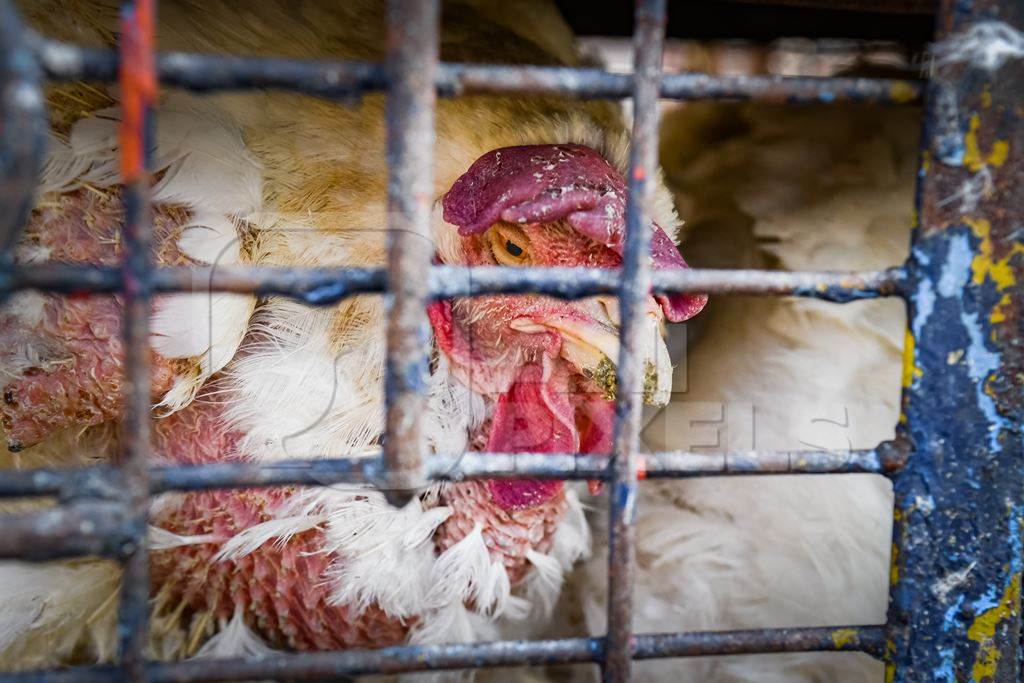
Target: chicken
x=281 y=179
x=797 y=189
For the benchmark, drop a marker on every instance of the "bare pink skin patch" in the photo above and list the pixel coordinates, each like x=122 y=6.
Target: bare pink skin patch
x=508 y=533
x=84 y=388
x=281 y=587
x=79 y=382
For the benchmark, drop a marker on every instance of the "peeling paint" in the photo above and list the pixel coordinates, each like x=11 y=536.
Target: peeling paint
x=957 y=547
x=844 y=637
x=983 y=630
x=924 y=304
x=902 y=92
x=981 y=363
x=984 y=264
x=974 y=158
x=956 y=270
x=910 y=369
x=945 y=671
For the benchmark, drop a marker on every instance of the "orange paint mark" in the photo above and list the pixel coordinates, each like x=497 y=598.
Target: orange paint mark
x=138 y=86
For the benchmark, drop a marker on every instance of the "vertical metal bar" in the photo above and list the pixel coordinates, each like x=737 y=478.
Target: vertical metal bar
x=957 y=547
x=22 y=129
x=634 y=293
x=412 y=65
x=138 y=96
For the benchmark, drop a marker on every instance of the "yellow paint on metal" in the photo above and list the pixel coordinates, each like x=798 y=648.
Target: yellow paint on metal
x=894 y=569
x=910 y=369
x=983 y=265
x=972 y=154
x=902 y=92
x=844 y=637
x=998 y=315
x=973 y=157
x=1000 y=151
x=983 y=630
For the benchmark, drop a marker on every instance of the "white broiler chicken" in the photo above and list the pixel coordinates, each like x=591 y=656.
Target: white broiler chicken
x=797 y=189
x=282 y=179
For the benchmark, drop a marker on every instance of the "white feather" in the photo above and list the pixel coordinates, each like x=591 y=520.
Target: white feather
x=544 y=582
x=571 y=542
x=384 y=555
x=986 y=44
x=235 y=639
x=210 y=237
x=465 y=572
x=277 y=530
x=50 y=610
x=162 y=539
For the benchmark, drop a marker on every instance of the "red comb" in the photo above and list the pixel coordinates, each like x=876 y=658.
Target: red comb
x=545 y=183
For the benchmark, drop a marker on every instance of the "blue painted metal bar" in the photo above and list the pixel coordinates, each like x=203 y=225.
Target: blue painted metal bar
x=955 y=600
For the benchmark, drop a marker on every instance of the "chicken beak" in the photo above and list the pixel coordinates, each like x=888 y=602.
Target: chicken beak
x=592 y=346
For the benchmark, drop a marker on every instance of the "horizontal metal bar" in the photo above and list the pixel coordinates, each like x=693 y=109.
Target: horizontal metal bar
x=205 y=72
x=868 y=639
x=104 y=482
x=674 y=465
x=329 y=665
x=94 y=528
x=323 y=286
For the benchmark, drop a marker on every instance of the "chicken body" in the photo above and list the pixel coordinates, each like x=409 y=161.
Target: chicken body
x=798 y=189
x=281 y=179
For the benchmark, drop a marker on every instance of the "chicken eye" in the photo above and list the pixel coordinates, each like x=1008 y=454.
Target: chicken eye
x=509 y=246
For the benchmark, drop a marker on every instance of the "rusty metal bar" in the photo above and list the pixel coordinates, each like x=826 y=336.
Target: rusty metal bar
x=138 y=98
x=105 y=482
x=23 y=127
x=958 y=551
x=206 y=72
x=317 y=666
x=868 y=639
x=634 y=295
x=412 y=27
x=321 y=286
x=94 y=528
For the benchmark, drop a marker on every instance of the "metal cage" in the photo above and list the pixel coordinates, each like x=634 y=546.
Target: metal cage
x=956 y=464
